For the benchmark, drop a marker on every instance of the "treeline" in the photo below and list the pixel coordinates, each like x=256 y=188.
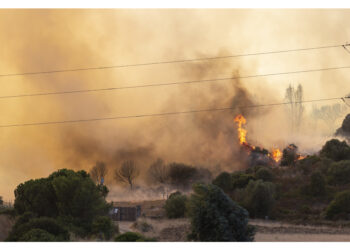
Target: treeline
x=177 y=175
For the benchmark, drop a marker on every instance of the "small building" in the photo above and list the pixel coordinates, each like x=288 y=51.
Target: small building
x=119 y=213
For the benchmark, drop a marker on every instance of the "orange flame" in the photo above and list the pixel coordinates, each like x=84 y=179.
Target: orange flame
x=276 y=155
x=242 y=133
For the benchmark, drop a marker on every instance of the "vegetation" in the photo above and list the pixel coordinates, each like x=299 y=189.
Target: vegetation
x=70 y=197
x=127 y=173
x=339 y=173
x=264 y=174
x=175 y=205
x=38 y=229
x=132 y=237
x=336 y=150
x=181 y=174
x=215 y=217
x=259 y=198
x=158 y=172
x=103 y=226
x=224 y=181
x=339 y=208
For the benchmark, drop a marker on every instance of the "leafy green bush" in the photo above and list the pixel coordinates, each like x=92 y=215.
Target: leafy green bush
x=339 y=173
x=264 y=174
x=241 y=180
x=37 y=235
x=132 y=237
x=336 y=150
x=104 y=225
x=215 y=217
x=224 y=181
x=175 y=205
x=259 y=198
x=26 y=224
x=71 y=197
x=339 y=208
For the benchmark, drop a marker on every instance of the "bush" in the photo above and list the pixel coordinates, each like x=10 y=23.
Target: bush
x=103 y=225
x=317 y=185
x=143 y=226
x=339 y=208
x=175 y=205
x=181 y=174
x=132 y=237
x=224 y=181
x=241 y=180
x=26 y=224
x=289 y=156
x=264 y=174
x=215 y=217
x=37 y=235
x=71 y=197
x=336 y=150
x=259 y=198
x=339 y=173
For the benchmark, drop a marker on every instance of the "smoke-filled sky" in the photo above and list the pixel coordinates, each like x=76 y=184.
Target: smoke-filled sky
x=42 y=40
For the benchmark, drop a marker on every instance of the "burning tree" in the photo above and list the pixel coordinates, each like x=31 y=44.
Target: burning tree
x=127 y=173
x=295 y=107
x=98 y=172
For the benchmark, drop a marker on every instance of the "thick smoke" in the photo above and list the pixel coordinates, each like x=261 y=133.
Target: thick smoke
x=40 y=40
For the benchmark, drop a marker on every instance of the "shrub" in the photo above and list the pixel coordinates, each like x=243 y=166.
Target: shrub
x=181 y=174
x=49 y=225
x=339 y=173
x=175 y=205
x=103 y=225
x=143 y=226
x=264 y=174
x=37 y=235
x=224 y=181
x=317 y=185
x=241 y=180
x=289 y=155
x=215 y=217
x=339 y=208
x=259 y=198
x=132 y=237
x=336 y=150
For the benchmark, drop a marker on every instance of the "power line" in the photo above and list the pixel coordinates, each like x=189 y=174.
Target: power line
x=169 y=62
x=162 y=114
x=170 y=83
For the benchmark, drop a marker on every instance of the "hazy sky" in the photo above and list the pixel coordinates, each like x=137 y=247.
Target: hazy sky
x=40 y=40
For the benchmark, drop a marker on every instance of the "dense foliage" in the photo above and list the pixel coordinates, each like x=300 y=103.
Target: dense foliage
x=215 y=217
x=68 y=196
x=336 y=150
x=175 y=205
x=339 y=208
x=259 y=198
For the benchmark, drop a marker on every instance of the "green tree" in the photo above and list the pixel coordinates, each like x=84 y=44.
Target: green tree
x=224 y=181
x=241 y=180
x=175 y=205
x=336 y=150
x=50 y=226
x=339 y=173
x=215 y=217
x=339 y=208
x=37 y=234
x=103 y=225
x=71 y=197
x=259 y=198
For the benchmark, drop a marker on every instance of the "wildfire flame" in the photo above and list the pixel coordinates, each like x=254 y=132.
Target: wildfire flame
x=276 y=155
x=242 y=133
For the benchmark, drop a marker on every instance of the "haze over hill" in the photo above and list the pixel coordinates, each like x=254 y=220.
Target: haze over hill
x=41 y=40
